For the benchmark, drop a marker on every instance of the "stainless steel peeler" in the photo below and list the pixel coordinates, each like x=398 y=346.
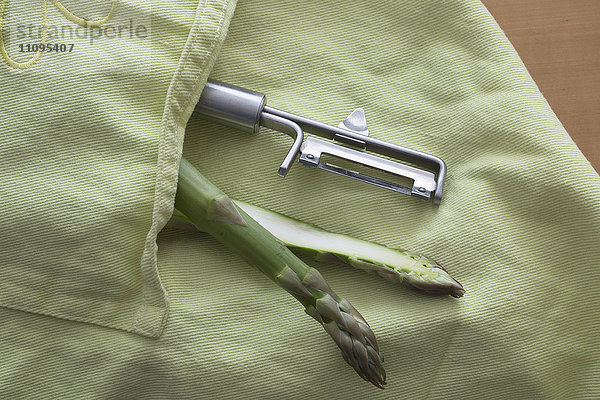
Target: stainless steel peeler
x=247 y=110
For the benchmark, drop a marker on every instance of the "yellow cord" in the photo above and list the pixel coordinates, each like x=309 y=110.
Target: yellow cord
x=82 y=21
x=44 y=40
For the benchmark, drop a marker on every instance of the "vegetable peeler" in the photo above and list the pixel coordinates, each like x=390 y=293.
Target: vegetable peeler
x=247 y=111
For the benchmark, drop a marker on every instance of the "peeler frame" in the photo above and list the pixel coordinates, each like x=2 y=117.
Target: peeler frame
x=246 y=110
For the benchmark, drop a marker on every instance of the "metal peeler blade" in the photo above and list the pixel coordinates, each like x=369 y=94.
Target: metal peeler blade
x=350 y=141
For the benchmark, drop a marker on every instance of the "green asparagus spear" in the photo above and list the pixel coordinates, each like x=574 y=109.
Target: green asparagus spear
x=399 y=266
x=212 y=211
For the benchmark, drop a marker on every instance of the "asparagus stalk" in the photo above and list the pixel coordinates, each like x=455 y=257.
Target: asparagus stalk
x=399 y=266
x=212 y=211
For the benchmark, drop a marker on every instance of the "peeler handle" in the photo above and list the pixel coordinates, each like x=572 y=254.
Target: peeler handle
x=231 y=105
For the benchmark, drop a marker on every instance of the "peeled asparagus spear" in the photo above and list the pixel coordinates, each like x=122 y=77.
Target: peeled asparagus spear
x=399 y=266
x=212 y=211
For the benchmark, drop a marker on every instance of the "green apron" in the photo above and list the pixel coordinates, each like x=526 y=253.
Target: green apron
x=97 y=300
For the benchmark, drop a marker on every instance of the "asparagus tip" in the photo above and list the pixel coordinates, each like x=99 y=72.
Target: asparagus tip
x=223 y=209
x=457 y=291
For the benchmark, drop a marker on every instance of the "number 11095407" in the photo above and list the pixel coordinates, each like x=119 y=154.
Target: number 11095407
x=46 y=48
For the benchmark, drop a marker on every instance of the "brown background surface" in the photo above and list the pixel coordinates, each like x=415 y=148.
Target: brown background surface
x=559 y=42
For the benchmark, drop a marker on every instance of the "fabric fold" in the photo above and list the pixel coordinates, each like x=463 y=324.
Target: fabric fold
x=92 y=115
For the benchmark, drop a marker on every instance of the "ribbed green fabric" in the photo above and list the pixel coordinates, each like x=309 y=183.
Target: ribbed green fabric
x=519 y=227
x=91 y=139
